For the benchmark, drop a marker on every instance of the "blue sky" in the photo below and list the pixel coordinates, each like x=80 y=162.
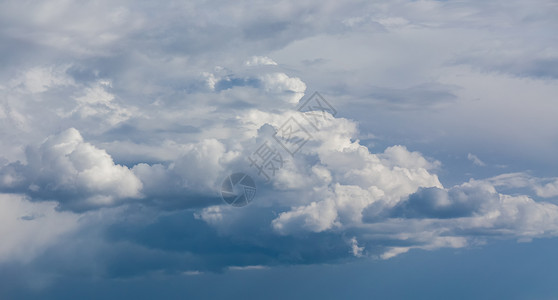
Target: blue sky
x=431 y=175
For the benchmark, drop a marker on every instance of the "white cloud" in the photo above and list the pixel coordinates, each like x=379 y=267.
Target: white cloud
x=543 y=187
x=315 y=217
x=98 y=102
x=394 y=251
x=356 y=250
x=459 y=216
x=475 y=159
x=283 y=84
x=260 y=61
x=548 y=190
x=201 y=166
x=347 y=178
x=400 y=156
x=41 y=79
x=212 y=215
x=75 y=173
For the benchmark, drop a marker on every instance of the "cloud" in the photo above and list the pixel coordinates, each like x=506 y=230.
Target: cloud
x=356 y=250
x=391 y=202
x=548 y=190
x=28 y=228
x=466 y=213
x=260 y=61
x=69 y=27
x=543 y=187
x=316 y=217
x=439 y=203
x=281 y=83
x=416 y=97
x=73 y=172
x=120 y=120
x=473 y=158
x=41 y=79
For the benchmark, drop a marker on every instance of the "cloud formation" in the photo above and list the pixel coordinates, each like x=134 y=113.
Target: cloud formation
x=119 y=121
x=72 y=172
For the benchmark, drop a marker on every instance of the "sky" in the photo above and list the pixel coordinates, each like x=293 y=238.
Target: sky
x=289 y=149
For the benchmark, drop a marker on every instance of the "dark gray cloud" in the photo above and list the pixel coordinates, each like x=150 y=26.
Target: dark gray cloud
x=443 y=204
x=425 y=96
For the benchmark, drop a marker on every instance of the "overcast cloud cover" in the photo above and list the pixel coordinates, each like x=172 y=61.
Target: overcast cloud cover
x=120 y=119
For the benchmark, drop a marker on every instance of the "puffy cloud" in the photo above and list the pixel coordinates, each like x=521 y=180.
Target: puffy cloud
x=192 y=179
x=400 y=156
x=316 y=216
x=548 y=190
x=73 y=172
x=282 y=83
x=432 y=217
x=206 y=158
x=434 y=202
x=259 y=84
x=345 y=178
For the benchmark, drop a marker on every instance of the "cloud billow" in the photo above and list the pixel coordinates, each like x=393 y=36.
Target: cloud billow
x=72 y=172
